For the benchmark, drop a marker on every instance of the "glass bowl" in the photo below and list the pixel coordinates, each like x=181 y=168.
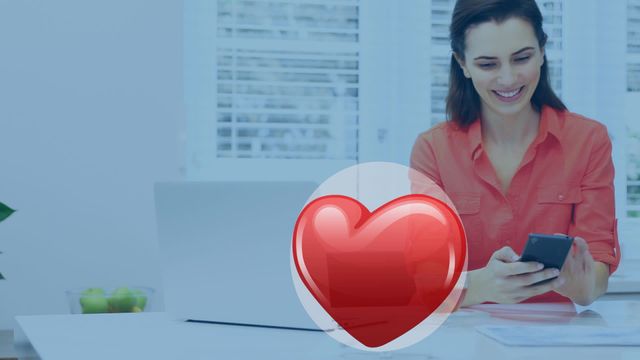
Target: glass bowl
x=124 y=299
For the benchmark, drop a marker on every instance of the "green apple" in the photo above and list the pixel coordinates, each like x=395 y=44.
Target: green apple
x=93 y=291
x=93 y=301
x=141 y=300
x=122 y=300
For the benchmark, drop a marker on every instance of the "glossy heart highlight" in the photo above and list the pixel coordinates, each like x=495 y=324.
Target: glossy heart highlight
x=379 y=274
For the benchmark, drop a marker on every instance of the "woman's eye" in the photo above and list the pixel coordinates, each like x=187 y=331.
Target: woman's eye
x=486 y=66
x=523 y=59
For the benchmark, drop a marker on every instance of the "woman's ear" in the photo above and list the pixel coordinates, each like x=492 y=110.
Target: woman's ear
x=460 y=62
x=541 y=56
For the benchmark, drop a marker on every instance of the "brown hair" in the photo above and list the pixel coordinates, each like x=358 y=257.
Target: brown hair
x=463 y=102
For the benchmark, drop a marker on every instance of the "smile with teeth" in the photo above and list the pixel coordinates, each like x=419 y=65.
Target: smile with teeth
x=509 y=94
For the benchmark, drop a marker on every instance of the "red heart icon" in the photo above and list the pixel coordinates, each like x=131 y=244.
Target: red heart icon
x=379 y=274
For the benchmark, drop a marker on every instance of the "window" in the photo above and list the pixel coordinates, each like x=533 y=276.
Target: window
x=279 y=97
x=285 y=85
x=553 y=26
x=440 y=51
x=273 y=84
x=439 y=87
x=633 y=27
x=632 y=126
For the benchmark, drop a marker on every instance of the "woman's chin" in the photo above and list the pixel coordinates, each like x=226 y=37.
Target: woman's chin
x=509 y=110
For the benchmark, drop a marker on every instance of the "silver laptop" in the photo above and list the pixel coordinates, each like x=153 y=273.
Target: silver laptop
x=225 y=250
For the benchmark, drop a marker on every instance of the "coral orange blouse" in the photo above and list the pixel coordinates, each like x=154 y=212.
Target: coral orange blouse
x=564 y=184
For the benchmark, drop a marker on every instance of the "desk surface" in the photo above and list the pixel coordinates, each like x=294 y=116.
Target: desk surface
x=626 y=279
x=154 y=335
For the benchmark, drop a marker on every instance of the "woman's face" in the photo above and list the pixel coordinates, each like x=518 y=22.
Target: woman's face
x=503 y=61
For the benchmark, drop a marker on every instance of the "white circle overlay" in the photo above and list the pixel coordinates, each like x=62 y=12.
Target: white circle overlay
x=374 y=184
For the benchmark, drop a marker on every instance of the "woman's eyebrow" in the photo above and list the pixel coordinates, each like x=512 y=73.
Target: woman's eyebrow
x=493 y=57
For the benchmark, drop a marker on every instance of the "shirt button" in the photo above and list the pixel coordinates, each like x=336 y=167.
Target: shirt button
x=560 y=197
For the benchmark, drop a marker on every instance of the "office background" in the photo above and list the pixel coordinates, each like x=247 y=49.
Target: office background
x=101 y=99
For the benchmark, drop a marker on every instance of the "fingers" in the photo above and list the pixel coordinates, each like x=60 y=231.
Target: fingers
x=533 y=278
x=583 y=254
x=554 y=284
x=581 y=244
x=580 y=251
x=506 y=254
x=506 y=263
x=518 y=268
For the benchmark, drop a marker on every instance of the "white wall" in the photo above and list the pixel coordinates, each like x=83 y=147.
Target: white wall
x=395 y=71
x=594 y=69
x=90 y=112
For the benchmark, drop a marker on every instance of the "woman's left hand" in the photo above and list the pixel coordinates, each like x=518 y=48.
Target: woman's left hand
x=579 y=274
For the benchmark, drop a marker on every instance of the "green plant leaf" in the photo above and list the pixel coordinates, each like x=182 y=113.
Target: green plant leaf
x=5 y=211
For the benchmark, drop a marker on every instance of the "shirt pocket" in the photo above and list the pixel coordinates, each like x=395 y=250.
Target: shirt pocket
x=559 y=194
x=468 y=207
x=556 y=207
x=466 y=203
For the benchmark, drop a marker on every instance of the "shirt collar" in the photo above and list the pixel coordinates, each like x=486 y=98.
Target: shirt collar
x=474 y=134
x=549 y=124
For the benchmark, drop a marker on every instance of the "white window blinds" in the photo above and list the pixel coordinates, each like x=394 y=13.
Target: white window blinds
x=441 y=11
x=633 y=26
x=553 y=26
x=287 y=79
x=632 y=130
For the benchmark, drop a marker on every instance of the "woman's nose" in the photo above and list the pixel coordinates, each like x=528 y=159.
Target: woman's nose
x=506 y=76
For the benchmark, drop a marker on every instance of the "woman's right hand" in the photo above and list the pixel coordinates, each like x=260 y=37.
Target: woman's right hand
x=505 y=280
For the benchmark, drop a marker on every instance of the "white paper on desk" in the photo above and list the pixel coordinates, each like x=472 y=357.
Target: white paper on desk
x=562 y=335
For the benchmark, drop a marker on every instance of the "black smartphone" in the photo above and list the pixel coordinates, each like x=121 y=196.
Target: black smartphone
x=549 y=250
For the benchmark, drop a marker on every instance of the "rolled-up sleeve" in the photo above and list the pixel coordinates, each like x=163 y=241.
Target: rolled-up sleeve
x=594 y=216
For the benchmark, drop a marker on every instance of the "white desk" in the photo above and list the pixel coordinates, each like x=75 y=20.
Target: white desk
x=624 y=285
x=155 y=336
x=627 y=279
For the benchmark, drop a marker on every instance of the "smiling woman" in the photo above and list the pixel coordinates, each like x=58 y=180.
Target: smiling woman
x=527 y=164
x=506 y=52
